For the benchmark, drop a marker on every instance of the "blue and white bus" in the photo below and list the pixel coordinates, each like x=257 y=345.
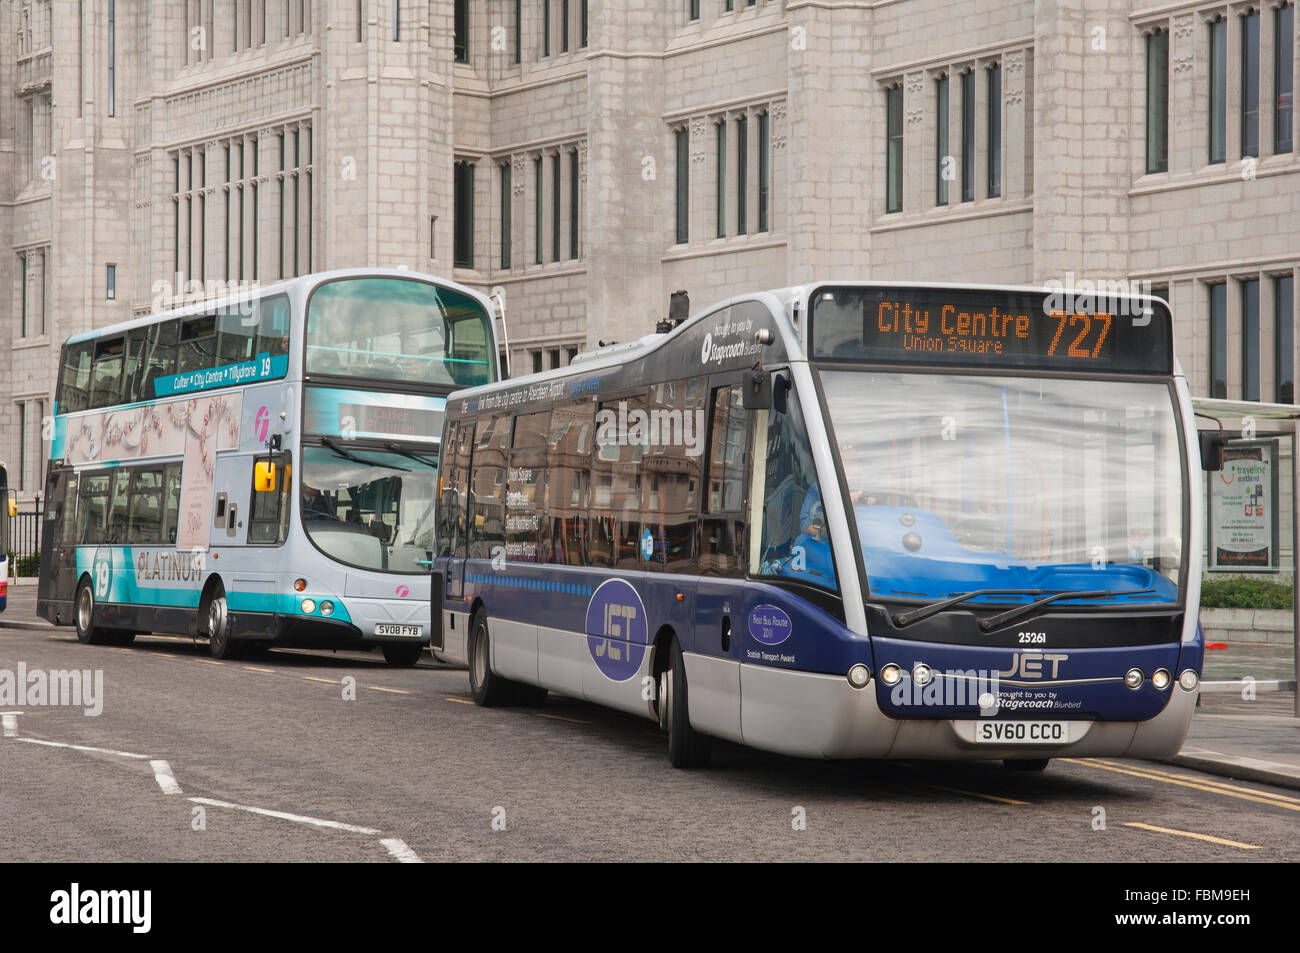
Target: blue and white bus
x=849 y=520
x=260 y=469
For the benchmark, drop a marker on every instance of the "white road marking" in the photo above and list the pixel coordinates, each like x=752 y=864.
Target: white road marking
x=399 y=850
x=162 y=773
x=10 y=721
x=61 y=744
x=296 y=818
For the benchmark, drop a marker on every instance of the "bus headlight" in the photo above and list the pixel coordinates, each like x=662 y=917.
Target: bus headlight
x=859 y=675
x=309 y=606
x=1160 y=679
x=1188 y=680
x=922 y=673
x=890 y=674
x=1134 y=678
x=327 y=608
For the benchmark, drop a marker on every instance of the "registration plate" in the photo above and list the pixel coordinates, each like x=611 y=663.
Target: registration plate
x=1022 y=732
x=403 y=631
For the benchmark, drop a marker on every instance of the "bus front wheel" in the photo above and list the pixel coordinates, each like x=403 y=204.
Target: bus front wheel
x=217 y=623
x=87 y=631
x=687 y=748
x=402 y=656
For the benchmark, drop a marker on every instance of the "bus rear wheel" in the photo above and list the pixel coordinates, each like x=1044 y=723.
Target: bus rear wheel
x=87 y=632
x=687 y=748
x=489 y=689
x=402 y=656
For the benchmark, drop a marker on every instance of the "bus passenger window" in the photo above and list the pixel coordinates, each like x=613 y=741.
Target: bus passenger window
x=160 y=360
x=795 y=542
x=272 y=326
x=487 y=527
x=568 y=483
x=145 y=507
x=525 y=487
x=171 y=500
x=722 y=531
x=94 y=503
x=198 y=350
x=74 y=389
x=106 y=387
x=672 y=474
x=118 y=510
x=136 y=343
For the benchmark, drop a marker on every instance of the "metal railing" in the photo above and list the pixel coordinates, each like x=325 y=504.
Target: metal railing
x=25 y=540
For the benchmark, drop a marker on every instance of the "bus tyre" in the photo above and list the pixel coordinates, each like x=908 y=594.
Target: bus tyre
x=87 y=631
x=217 y=625
x=402 y=656
x=124 y=638
x=488 y=688
x=1026 y=764
x=687 y=748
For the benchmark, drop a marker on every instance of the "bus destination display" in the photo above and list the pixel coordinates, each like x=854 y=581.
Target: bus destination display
x=1021 y=330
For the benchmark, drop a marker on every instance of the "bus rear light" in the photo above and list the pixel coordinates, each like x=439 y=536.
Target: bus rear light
x=309 y=606
x=1160 y=679
x=1188 y=680
x=299 y=585
x=890 y=674
x=1133 y=679
x=327 y=608
x=859 y=675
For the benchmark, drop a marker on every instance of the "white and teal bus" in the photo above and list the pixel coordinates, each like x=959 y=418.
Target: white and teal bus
x=260 y=469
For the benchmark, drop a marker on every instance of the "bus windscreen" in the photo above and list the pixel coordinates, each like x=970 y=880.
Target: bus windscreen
x=1014 y=330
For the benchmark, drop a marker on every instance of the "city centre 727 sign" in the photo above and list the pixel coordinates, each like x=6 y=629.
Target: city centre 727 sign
x=1016 y=329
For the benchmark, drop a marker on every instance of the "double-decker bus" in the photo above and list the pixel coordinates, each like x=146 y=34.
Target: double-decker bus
x=850 y=520
x=260 y=468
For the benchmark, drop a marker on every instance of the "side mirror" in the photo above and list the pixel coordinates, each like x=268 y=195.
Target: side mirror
x=1211 y=449
x=264 y=476
x=757 y=390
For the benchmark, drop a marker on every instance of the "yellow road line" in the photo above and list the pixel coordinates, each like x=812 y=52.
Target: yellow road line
x=264 y=671
x=327 y=681
x=576 y=721
x=1205 y=837
x=987 y=797
x=391 y=691
x=210 y=661
x=163 y=655
x=1195 y=785
x=1209 y=782
x=458 y=701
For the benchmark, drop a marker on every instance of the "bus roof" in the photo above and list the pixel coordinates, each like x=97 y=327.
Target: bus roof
x=254 y=292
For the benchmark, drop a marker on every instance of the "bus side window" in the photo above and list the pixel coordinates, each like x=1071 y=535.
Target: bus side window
x=171 y=501
x=145 y=506
x=266 y=522
x=74 y=388
x=672 y=474
x=118 y=511
x=568 y=482
x=272 y=326
x=94 y=503
x=794 y=540
x=133 y=374
x=106 y=385
x=525 y=488
x=160 y=357
x=722 y=531
x=198 y=348
x=236 y=329
x=487 y=518
x=71 y=517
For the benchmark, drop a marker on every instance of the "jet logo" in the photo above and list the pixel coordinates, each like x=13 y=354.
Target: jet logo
x=1030 y=665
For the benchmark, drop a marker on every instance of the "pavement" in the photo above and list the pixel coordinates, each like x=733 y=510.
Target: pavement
x=1245 y=726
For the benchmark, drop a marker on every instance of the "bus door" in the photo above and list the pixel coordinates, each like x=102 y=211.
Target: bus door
x=453 y=504
x=58 y=578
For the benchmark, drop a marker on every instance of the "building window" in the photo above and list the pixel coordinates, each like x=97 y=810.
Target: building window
x=894 y=149
x=1250 y=339
x=583 y=9
x=683 y=146
x=1157 y=102
x=537 y=361
x=110 y=282
x=460 y=26
x=554 y=356
x=968 y=136
x=505 y=215
x=1219 y=341
x=33 y=288
x=721 y=132
x=574 y=194
x=112 y=57
x=941 y=141
x=546 y=27
x=1218 y=97
x=994 y=144
x=1250 y=84
x=1283 y=78
x=742 y=174
x=397 y=19
x=694 y=12
x=1284 y=338
x=22 y=445
x=569 y=354
x=519 y=30
x=537 y=209
x=764 y=170
x=463 y=202
x=564 y=26
x=555 y=207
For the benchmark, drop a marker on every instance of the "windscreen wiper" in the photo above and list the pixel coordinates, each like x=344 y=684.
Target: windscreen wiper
x=396 y=448
x=903 y=619
x=329 y=444
x=1020 y=612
